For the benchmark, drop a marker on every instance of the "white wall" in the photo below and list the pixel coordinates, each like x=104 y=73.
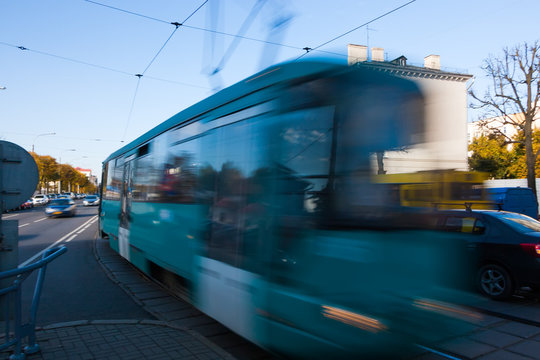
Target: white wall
x=446 y=130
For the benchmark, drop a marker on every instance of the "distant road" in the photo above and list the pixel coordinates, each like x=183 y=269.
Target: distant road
x=76 y=288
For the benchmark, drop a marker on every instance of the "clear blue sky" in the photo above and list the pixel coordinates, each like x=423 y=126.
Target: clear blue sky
x=89 y=108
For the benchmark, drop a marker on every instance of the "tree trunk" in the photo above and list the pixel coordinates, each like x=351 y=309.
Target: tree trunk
x=530 y=158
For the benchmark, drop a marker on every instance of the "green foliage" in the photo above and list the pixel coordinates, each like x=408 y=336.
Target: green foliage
x=489 y=153
x=50 y=170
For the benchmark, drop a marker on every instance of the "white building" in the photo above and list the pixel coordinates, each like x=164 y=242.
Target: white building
x=497 y=125
x=445 y=145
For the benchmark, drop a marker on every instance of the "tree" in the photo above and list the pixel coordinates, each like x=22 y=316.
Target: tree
x=67 y=176
x=47 y=168
x=490 y=155
x=513 y=97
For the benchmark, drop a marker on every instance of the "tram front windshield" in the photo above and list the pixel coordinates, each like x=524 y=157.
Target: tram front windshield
x=329 y=144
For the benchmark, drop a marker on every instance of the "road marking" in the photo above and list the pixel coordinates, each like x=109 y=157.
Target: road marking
x=83 y=229
x=87 y=226
x=9 y=216
x=40 y=219
x=71 y=238
x=20 y=226
x=56 y=242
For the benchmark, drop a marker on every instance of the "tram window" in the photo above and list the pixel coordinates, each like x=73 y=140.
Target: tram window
x=179 y=173
x=145 y=179
x=114 y=180
x=306 y=140
x=233 y=173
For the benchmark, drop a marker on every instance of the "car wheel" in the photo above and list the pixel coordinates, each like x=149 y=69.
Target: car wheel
x=495 y=282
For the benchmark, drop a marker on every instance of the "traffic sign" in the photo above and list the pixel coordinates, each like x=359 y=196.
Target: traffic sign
x=18 y=175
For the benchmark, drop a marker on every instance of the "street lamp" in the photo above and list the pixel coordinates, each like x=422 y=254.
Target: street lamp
x=33 y=142
x=63 y=151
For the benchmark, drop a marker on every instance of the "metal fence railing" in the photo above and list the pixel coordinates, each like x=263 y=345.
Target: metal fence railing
x=10 y=290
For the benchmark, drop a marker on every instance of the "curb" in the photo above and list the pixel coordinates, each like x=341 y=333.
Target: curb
x=218 y=350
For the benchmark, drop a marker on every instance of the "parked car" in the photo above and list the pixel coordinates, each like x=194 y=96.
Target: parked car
x=515 y=199
x=503 y=246
x=40 y=199
x=28 y=204
x=91 y=200
x=60 y=207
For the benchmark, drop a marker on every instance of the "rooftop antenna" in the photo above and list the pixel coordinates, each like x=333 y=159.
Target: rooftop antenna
x=367 y=40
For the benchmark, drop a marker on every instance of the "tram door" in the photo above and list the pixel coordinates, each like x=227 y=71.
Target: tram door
x=125 y=210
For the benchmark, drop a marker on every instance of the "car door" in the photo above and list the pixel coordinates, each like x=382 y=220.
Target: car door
x=474 y=230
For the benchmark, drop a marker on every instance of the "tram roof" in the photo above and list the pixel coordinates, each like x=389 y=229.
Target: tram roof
x=279 y=73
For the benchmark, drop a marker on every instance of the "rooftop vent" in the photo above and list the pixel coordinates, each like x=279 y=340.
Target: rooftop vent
x=356 y=53
x=377 y=54
x=432 y=62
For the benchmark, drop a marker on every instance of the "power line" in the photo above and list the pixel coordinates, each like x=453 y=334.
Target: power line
x=194 y=27
x=22 y=48
x=128 y=12
x=177 y=25
x=132 y=105
x=194 y=11
x=159 y=51
x=139 y=76
x=356 y=28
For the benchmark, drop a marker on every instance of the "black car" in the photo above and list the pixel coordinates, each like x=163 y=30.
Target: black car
x=504 y=248
x=60 y=207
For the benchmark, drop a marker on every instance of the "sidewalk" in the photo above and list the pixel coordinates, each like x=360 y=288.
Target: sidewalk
x=183 y=332
x=174 y=336
x=122 y=339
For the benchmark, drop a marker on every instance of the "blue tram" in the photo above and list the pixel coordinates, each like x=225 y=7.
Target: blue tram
x=259 y=201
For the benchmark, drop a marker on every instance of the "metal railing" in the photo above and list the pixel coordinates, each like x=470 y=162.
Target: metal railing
x=16 y=331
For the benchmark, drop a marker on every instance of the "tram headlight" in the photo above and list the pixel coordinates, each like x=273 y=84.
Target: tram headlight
x=351 y=318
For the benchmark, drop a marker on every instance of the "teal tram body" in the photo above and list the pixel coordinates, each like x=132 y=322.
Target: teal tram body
x=258 y=201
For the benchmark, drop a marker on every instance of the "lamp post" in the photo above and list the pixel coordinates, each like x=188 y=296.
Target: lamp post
x=63 y=151
x=33 y=142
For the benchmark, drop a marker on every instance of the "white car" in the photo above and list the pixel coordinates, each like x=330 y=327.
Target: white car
x=40 y=199
x=91 y=200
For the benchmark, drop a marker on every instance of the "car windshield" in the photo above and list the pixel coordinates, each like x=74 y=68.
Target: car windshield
x=519 y=222
x=91 y=197
x=60 y=202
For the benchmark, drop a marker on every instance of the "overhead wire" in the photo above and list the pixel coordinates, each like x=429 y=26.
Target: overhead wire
x=194 y=27
x=139 y=76
x=23 y=48
x=159 y=51
x=102 y=67
x=308 y=49
x=127 y=11
x=132 y=105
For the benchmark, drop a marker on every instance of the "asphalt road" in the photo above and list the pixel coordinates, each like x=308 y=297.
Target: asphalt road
x=75 y=288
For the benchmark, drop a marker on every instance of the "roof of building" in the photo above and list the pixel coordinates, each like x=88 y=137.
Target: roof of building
x=399 y=67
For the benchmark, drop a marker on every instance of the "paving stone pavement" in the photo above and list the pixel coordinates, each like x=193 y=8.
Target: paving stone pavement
x=183 y=332
x=123 y=340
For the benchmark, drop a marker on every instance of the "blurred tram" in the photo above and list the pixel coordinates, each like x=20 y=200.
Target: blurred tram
x=259 y=201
